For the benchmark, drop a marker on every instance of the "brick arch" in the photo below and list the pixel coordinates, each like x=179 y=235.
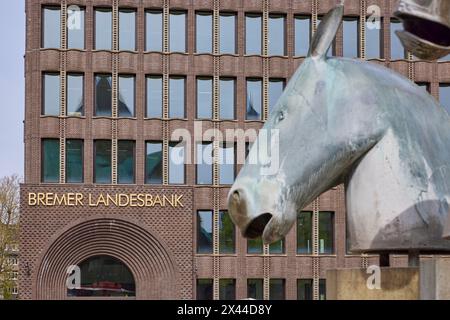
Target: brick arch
x=139 y=249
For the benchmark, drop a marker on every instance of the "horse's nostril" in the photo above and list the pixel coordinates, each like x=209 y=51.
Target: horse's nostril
x=256 y=227
x=236 y=196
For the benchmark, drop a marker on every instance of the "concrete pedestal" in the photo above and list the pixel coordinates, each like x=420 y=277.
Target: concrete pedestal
x=435 y=279
x=395 y=284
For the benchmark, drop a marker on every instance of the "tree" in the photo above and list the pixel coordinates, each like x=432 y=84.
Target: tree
x=9 y=231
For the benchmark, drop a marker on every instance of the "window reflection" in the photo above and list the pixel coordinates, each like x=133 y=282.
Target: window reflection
x=373 y=40
x=322 y=289
x=51 y=97
x=204 y=32
x=226 y=233
x=204 y=231
x=204 y=163
x=176 y=163
x=350 y=41
x=153 y=163
x=397 y=50
x=204 y=289
x=227 y=98
x=254 y=99
x=302 y=35
x=75 y=94
x=277 y=289
x=127 y=29
x=227 y=289
x=153 y=31
x=444 y=95
x=50 y=160
x=226 y=163
x=177 y=37
x=75 y=28
x=74 y=161
x=276 y=87
x=277 y=43
x=255 y=289
x=102 y=169
x=204 y=98
x=176 y=97
x=51 y=27
x=103 y=94
x=253 y=34
x=103 y=29
x=227 y=33
x=126 y=96
x=326 y=232
x=154 y=96
x=304 y=289
x=304 y=232
x=125 y=161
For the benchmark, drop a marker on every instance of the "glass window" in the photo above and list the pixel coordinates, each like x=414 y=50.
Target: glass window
x=51 y=27
x=103 y=29
x=50 y=160
x=255 y=289
x=424 y=85
x=75 y=27
x=204 y=163
x=127 y=29
x=75 y=94
x=322 y=289
x=444 y=95
x=227 y=289
x=373 y=40
x=253 y=34
x=126 y=97
x=254 y=99
x=227 y=33
x=177 y=37
x=397 y=50
x=176 y=162
x=302 y=35
x=204 y=231
x=227 y=163
x=74 y=161
x=276 y=87
x=204 y=32
x=446 y=58
x=204 y=289
x=102 y=173
x=104 y=276
x=326 y=232
x=153 y=163
x=125 y=161
x=226 y=233
x=277 y=247
x=51 y=94
x=350 y=41
x=154 y=96
x=176 y=97
x=204 y=98
x=304 y=289
x=103 y=95
x=254 y=246
x=227 y=98
x=277 y=44
x=153 y=30
x=304 y=232
x=277 y=289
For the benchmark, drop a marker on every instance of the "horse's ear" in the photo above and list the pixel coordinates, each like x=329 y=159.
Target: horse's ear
x=326 y=32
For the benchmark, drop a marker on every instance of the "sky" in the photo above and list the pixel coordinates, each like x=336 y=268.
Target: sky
x=12 y=42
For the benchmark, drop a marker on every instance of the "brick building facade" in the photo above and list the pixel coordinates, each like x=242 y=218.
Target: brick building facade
x=159 y=244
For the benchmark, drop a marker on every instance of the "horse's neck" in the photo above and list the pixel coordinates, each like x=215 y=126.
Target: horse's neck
x=388 y=207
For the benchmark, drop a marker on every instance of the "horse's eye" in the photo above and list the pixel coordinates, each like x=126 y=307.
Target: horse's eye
x=280 y=116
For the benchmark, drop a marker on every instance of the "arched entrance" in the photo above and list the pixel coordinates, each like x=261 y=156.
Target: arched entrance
x=132 y=246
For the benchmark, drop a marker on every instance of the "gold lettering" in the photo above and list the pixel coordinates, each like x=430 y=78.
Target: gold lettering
x=125 y=202
x=48 y=199
x=133 y=199
x=101 y=200
x=148 y=200
x=141 y=200
x=79 y=199
x=112 y=199
x=71 y=199
x=165 y=198
x=32 y=199
x=59 y=200
x=158 y=200
x=91 y=204
x=178 y=200
x=41 y=197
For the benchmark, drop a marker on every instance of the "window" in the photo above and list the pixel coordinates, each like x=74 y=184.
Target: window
x=50 y=160
x=153 y=30
x=397 y=50
x=227 y=289
x=326 y=232
x=204 y=28
x=15 y=290
x=350 y=41
x=204 y=231
x=154 y=96
x=226 y=233
x=127 y=29
x=226 y=163
x=176 y=163
x=254 y=99
x=277 y=247
x=276 y=87
x=322 y=289
x=126 y=97
x=255 y=289
x=12 y=261
x=125 y=161
x=204 y=163
x=51 y=27
x=227 y=33
x=277 y=44
x=75 y=28
x=103 y=95
x=277 y=289
x=253 y=34
x=304 y=289
x=304 y=232
x=104 y=276
x=255 y=246
x=302 y=35
x=373 y=40
x=102 y=169
x=75 y=94
x=446 y=58
x=177 y=30
x=153 y=163
x=204 y=98
x=14 y=275
x=444 y=95
x=74 y=161
x=176 y=97
x=51 y=98
x=424 y=85
x=103 y=29
x=204 y=289
x=227 y=98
